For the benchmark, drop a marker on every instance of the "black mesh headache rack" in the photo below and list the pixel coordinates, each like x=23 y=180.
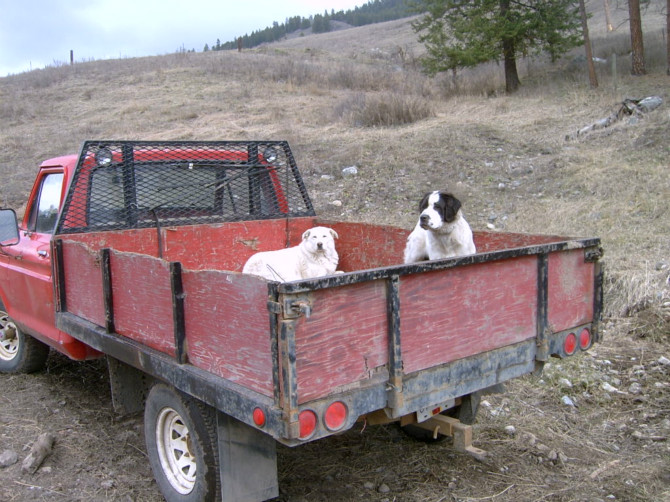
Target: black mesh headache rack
x=135 y=184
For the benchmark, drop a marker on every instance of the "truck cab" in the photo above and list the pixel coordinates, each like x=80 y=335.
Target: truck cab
x=27 y=271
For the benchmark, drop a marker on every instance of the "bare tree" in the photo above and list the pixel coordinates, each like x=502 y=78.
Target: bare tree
x=608 y=16
x=593 y=78
x=636 y=37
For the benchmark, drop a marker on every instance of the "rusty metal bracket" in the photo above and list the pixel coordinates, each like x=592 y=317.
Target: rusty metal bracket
x=593 y=254
x=295 y=306
x=462 y=434
x=291 y=307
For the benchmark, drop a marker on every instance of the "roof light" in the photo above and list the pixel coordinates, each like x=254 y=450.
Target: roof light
x=307 y=420
x=335 y=416
x=103 y=156
x=270 y=154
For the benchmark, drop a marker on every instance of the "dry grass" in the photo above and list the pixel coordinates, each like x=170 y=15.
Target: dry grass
x=505 y=156
x=368 y=105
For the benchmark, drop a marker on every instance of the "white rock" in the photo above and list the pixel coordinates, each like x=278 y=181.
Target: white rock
x=565 y=383
x=510 y=430
x=8 y=457
x=664 y=361
x=609 y=388
x=349 y=171
x=567 y=401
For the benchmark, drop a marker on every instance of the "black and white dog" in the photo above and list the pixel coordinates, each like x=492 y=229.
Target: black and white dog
x=441 y=231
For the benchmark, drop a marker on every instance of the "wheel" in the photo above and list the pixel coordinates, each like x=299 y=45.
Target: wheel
x=181 y=442
x=466 y=412
x=19 y=353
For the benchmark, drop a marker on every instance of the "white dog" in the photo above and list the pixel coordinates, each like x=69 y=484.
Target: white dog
x=313 y=257
x=441 y=231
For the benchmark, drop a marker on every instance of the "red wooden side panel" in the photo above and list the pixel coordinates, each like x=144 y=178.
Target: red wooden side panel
x=143 y=300
x=571 y=283
x=83 y=282
x=364 y=246
x=343 y=341
x=228 y=246
x=463 y=311
x=142 y=241
x=228 y=327
x=487 y=242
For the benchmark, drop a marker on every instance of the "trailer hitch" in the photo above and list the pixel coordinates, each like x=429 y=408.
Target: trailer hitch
x=460 y=432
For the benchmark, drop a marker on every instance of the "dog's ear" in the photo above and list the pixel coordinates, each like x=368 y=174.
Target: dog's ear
x=452 y=205
x=305 y=234
x=424 y=202
x=334 y=233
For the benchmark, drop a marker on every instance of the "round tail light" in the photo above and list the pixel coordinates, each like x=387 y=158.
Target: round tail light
x=307 y=420
x=259 y=417
x=585 y=339
x=570 y=344
x=335 y=416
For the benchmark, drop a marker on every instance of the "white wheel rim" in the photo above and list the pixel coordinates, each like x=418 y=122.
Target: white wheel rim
x=8 y=348
x=174 y=451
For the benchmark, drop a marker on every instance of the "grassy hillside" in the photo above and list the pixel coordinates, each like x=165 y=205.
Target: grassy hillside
x=357 y=97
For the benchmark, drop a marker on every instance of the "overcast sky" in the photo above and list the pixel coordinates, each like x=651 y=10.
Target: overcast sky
x=37 y=33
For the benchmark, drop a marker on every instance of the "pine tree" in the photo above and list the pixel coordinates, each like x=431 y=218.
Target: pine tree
x=460 y=34
x=638 y=66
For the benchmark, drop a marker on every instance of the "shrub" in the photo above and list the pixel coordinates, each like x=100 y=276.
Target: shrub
x=386 y=109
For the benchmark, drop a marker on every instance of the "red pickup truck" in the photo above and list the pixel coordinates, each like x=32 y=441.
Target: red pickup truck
x=134 y=251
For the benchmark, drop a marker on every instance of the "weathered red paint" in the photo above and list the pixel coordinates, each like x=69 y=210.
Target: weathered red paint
x=452 y=314
x=227 y=327
x=143 y=300
x=344 y=341
x=445 y=315
x=570 y=301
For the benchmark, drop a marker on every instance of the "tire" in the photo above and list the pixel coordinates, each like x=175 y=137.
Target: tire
x=466 y=412
x=181 y=443
x=19 y=353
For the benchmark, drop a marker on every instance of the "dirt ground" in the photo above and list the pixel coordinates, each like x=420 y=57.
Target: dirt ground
x=610 y=444
x=591 y=428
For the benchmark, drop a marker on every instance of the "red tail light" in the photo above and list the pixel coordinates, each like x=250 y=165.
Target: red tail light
x=335 y=416
x=307 y=420
x=259 y=417
x=585 y=339
x=570 y=344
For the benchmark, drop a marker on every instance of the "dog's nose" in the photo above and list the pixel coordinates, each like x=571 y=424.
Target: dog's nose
x=319 y=245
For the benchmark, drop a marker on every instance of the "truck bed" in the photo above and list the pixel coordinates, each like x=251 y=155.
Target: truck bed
x=382 y=335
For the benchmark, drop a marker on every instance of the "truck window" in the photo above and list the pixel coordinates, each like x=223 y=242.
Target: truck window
x=44 y=213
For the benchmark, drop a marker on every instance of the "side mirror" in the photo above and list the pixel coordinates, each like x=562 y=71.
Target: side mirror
x=9 y=228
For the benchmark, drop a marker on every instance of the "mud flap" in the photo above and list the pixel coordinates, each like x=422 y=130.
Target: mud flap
x=247 y=461
x=129 y=387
